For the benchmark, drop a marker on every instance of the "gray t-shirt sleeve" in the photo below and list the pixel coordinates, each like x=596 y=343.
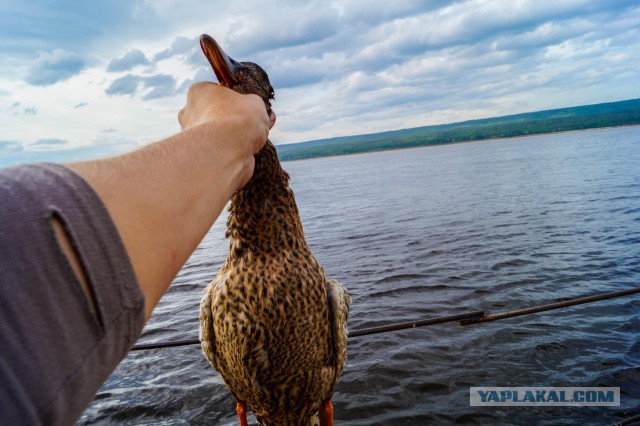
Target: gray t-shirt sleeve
x=55 y=352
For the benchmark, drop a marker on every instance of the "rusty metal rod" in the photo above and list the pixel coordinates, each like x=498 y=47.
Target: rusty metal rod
x=414 y=324
x=550 y=306
x=468 y=318
x=356 y=333
x=635 y=420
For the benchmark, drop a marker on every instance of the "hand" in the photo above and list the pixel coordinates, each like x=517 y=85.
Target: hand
x=209 y=102
x=239 y=120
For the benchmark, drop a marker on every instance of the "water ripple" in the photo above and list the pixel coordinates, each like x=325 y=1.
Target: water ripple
x=430 y=232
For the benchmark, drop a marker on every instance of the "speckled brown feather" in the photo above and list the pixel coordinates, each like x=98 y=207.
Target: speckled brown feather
x=265 y=321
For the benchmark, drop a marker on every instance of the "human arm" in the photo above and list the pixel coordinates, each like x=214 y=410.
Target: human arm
x=164 y=197
x=126 y=225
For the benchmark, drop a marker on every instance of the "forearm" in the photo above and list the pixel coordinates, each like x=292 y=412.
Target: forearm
x=164 y=197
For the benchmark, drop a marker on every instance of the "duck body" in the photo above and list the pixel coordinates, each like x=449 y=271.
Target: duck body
x=270 y=322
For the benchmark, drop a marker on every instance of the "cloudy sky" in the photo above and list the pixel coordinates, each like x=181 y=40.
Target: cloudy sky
x=84 y=79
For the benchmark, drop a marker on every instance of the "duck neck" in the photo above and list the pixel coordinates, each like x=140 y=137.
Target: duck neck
x=263 y=215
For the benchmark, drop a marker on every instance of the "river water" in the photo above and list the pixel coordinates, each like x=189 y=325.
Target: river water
x=413 y=234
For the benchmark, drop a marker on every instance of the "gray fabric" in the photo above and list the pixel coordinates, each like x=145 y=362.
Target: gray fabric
x=54 y=352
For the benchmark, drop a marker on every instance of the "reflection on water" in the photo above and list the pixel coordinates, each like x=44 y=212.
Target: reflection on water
x=439 y=231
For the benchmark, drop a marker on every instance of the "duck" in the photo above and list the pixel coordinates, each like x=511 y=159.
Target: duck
x=271 y=323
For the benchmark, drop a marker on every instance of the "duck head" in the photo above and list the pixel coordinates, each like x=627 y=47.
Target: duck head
x=243 y=77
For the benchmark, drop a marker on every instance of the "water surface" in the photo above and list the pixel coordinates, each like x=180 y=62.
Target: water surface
x=437 y=231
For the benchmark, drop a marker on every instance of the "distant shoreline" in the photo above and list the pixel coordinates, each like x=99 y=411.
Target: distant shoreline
x=530 y=124
x=448 y=144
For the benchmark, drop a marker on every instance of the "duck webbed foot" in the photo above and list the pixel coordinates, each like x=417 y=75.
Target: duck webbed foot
x=326 y=413
x=241 y=409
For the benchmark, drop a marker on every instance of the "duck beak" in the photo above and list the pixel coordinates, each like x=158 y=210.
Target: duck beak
x=223 y=65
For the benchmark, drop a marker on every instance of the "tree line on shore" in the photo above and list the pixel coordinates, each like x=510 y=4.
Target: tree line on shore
x=611 y=114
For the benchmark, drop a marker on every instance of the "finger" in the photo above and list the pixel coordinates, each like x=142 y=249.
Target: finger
x=259 y=104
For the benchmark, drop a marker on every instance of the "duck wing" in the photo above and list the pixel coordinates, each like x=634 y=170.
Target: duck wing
x=207 y=334
x=338 y=301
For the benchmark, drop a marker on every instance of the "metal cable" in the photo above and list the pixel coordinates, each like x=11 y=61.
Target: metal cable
x=421 y=323
x=550 y=306
x=356 y=333
x=635 y=420
x=468 y=318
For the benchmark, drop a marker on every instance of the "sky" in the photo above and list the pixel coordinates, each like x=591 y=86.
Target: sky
x=88 y=79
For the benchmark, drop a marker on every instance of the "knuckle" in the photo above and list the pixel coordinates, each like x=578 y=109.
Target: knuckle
x=194 y=88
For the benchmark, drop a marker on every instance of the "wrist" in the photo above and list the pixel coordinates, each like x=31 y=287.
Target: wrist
x=222 y=144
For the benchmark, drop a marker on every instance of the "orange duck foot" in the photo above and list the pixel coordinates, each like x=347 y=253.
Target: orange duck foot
x=241 y=409
x=326 y=413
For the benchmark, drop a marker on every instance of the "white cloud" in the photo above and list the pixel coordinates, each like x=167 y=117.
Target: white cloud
x=338 y=68
x=10 y=146
x=132 y=58
x=127 y=85
x=160 y=85
x=314 y=21
x=48 y=143
x=204 y=73
x=53 y=153
x=180 y=45
x=52 y=67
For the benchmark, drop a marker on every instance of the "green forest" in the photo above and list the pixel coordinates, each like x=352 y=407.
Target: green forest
x=611 y=114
